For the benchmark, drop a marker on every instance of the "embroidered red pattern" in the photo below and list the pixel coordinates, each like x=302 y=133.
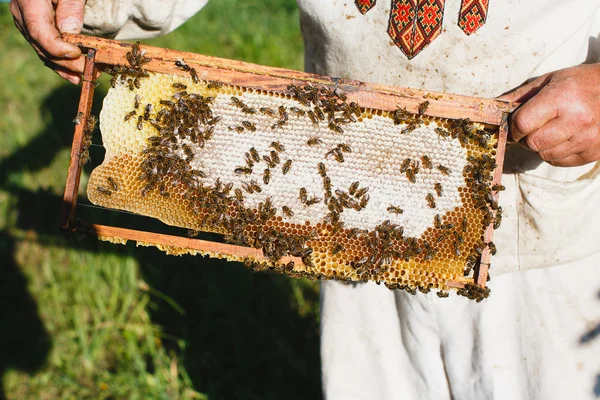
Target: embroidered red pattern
x=414 y=24
x=365 y=5
x=473 y=14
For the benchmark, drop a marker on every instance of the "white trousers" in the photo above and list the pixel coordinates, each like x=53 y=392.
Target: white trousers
x=536 y=337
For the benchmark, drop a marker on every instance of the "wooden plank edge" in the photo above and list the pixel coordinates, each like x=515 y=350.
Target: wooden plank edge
x=74 y=173
x=384 y=97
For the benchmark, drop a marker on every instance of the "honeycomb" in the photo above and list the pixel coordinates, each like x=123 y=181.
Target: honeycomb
x=348 y=192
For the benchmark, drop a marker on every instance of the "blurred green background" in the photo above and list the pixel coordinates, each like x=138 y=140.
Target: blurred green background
x=83 y=319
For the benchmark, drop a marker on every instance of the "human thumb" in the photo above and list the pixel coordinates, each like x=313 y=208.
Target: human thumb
x=69 y=15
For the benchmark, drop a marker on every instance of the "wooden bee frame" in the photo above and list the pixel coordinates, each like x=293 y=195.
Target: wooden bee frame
x=104 y=52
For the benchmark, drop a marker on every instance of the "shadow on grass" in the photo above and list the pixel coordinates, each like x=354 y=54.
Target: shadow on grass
x=24 y=342
x=239 y=334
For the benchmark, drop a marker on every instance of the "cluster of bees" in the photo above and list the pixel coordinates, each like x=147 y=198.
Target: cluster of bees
x=187 y=117
x=88 y=130
x=132 y=74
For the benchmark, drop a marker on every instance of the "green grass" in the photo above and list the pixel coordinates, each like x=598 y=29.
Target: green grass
x=82 y=319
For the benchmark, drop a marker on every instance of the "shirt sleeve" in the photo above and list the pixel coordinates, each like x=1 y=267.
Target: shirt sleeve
x=137 y=19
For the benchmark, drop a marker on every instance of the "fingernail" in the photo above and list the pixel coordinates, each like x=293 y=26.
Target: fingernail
x=70 y=25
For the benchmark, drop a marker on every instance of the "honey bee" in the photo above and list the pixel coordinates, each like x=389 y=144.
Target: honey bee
x=410 y=175
x=147 y=111
x=237 y=102
x=361 y=192
x=248 y=187
x=492 y=247
x=287 y=211
x=456 y=246
x=395 y=210
x=430 y=200
x=178 y=85
x=338 y=247
x=313 y=141
x=286 y=167
x=239 y=195
x=214 y=85
x=405 y=165
x=312 y=200
x=129 y=115
x=423 y=107
x=313 y=117
x=192 y=232
x=303 y=195
x=498 y=187
x=442 y=237
x=442 y=133
x=248 y=110
x=400 y=115
x=268 y=111
x=335 y=128
x=78 y=117
x=255 y=186
x=437 y=221
x=249 y=125
x=181 y=64
x=319 y=113
x=498 y=218
x=242 y=171
x=322 y=169
x=353 y=187
x=363 y=202
x=255 y=155
x=104 y=191
x=266 y=176
x=345 y=148
x=277 y=125
x=278 y=146
x=194 y=75
x=275 y=157
x=269 y=161
x=443 y=170
x=238 y=129
x=140 y=122
x=442 y=294
x=426 y=162
x=438 y=189
x=112 y=184
x=298 y=112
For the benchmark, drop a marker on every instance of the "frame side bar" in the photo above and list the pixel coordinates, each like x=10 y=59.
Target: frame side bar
x=74 y=174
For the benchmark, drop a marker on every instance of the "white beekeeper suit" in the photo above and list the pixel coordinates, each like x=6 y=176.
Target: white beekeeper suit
x=533 y=337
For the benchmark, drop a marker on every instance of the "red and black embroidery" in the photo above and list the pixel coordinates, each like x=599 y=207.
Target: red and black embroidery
x=414 y=24
x=473 y=14
x=364 y=5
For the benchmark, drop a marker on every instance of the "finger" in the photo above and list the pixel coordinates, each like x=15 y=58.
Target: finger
x=38 y=20
x=16 y=13
x=574 y=160
x=75 y=66
x=71 y=76
x=69 y=16
x=526 y=91
x=559 y=152
x=551 y=134
x=533 y=114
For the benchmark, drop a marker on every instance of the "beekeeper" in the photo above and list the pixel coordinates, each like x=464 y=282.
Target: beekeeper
x=533 y=337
